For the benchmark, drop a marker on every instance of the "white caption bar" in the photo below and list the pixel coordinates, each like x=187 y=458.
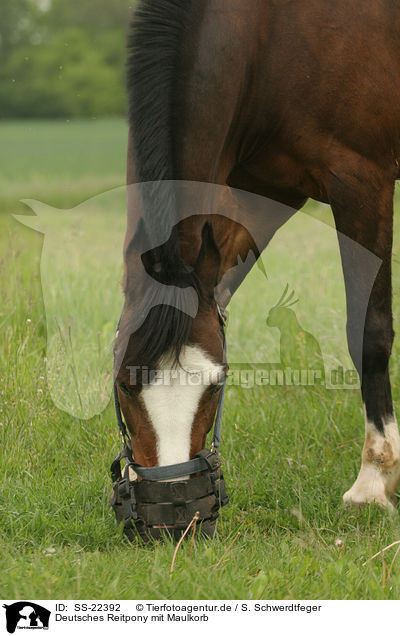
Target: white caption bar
x=177 y=617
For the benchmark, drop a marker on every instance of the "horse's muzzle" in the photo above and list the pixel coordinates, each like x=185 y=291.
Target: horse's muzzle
x=156 y=509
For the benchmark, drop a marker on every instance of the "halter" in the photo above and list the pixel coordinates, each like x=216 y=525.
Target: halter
x=155 y=506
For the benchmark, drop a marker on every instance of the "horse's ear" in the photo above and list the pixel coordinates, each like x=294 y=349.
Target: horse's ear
x=209 y=259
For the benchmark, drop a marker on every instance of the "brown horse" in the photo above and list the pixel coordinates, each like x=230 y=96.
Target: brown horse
x=290 y=100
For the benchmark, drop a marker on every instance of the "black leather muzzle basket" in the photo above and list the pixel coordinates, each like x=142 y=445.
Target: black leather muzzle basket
x=159 y=509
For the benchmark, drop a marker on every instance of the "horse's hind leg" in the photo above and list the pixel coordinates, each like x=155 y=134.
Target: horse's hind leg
x=362 y=205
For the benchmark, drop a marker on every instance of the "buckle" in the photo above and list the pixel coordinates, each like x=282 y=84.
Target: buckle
x=212 y=459
x=131 y=512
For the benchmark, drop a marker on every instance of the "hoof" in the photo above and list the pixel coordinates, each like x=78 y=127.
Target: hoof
x=355 y=497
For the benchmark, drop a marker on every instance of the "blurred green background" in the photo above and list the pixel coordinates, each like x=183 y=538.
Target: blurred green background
x=63 y=59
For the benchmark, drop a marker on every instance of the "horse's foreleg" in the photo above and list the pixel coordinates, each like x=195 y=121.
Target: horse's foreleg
x=363 y=211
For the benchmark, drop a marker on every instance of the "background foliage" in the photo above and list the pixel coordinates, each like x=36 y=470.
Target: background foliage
x=62 y=59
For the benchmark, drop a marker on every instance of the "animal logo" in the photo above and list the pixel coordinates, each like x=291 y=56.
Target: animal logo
x=299 y=349
x=26 y=615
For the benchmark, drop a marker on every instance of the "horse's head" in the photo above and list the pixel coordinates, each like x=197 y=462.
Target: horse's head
x=170 y=363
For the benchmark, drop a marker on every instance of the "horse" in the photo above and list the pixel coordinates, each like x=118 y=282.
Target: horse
x=287 y=100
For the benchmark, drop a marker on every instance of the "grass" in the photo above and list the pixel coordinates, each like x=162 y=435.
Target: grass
x=289 y=452
x=60 y=162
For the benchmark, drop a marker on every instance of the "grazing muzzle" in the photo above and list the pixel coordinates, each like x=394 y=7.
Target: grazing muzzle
x=161 y=508
x=167 y=498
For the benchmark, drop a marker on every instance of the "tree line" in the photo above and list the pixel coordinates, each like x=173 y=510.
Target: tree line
x=62 y=58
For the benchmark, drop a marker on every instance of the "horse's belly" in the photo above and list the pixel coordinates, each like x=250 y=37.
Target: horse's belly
x=281 y=171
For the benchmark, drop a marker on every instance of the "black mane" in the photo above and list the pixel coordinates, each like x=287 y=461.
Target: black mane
x=154 y=42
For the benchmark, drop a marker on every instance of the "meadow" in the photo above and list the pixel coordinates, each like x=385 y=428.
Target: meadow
x=290 y=452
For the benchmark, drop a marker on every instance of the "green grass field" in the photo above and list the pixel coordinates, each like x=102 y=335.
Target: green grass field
x=289 y=452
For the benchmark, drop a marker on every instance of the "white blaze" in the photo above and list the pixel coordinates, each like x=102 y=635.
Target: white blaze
x=172 y=400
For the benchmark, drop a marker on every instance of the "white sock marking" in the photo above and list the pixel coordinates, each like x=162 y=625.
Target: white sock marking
x=380 y=469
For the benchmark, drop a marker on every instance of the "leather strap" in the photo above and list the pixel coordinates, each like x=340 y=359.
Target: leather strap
x=173 y=471
x=162 y=491
x=177 y=514
x=216 y=440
